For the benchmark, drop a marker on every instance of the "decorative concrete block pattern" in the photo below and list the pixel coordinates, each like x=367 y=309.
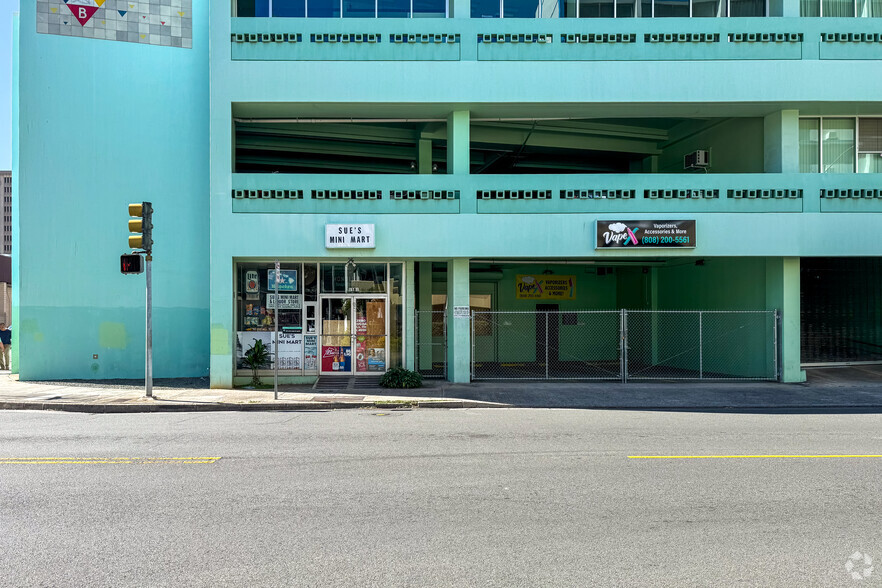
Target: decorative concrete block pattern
x=168 y=23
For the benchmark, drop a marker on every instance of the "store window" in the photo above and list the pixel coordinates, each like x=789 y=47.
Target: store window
x=617 y=8
x=840 y=145
x=809 y=145
x=841 y=8
x=257 y=306
x=338 y=8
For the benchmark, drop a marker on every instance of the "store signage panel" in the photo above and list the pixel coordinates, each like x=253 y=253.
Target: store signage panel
x=544 y=287
x=286 y=301
x=349 y=236
x=645 y=234
x=287 y=280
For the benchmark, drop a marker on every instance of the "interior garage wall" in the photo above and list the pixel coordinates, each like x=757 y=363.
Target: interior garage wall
x=730 y=343
x=736 y=147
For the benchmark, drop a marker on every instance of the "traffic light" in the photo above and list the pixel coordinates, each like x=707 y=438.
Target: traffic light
x=131 y=263
x=142 y=225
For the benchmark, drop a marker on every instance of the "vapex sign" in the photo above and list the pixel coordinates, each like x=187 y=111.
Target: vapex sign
x=643 y=234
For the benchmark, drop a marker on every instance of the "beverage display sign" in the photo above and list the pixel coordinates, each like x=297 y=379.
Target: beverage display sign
x=336 y=359
x=642 y=234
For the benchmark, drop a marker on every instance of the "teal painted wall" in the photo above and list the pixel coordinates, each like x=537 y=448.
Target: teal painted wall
x=117 y=122
x=103 y=124
x=736 y=147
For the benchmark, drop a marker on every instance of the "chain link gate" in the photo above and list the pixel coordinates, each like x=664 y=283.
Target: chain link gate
x=624 y=345
x=546 y=345
x=430 y=332
x=700 y=345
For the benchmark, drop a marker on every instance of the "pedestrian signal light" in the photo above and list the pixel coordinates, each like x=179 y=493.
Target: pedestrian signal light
x=131 y=263
x=142 y=225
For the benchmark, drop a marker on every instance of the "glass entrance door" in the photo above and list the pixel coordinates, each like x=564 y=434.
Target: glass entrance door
x=354 y=335
x=336 y=336
x=370 y=335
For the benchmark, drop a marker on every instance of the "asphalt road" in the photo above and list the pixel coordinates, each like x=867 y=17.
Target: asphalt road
x=438 y=498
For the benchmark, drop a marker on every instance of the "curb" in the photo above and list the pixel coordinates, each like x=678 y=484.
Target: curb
x=229 y=407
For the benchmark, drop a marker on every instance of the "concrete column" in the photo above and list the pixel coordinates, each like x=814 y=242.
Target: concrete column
x=409 y=308
x=459 y=348
x=424 y=302
x=781 y=142
x=460 y=9
x=458 y=142
x=789 y=8
x=223 y=328
x=782 y=293
x=424 y=147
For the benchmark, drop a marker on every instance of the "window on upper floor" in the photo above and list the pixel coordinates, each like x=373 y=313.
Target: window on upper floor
x=847 y=8
x=616 y=8
x=341 y=8
x=840 y=145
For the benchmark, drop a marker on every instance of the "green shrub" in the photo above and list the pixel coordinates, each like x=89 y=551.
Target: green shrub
x=401 y=378
x=257 y=357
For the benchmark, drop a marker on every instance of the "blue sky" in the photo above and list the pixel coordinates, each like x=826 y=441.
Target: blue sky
x=7 y=7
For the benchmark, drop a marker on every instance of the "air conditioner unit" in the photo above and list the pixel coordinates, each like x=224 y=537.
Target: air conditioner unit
x=697 y=159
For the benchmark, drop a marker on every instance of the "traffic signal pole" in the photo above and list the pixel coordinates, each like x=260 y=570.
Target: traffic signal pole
x=148 y=369
x=142 y=242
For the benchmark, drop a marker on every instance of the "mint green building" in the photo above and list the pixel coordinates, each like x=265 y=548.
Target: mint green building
x=587 y=189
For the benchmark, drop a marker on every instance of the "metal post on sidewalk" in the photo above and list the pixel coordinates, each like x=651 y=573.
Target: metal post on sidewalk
x=276 y=347
x=546 y=344
x=700 y=347
x=148 y=368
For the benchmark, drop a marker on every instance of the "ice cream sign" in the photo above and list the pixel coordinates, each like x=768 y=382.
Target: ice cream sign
x=643 y=234
x=545 y=287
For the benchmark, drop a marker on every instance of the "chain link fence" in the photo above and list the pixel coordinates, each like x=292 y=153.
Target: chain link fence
x=430 y=332
x=624 y=345
x=546 y=345
x=701 y=345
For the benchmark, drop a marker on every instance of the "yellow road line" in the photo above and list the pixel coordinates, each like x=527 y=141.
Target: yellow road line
x=746 y=456
x=104 y=460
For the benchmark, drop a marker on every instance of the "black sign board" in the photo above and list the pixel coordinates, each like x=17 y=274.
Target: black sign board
x=643 y=234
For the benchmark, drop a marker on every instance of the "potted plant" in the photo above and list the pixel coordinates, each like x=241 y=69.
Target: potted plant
x=257 y=357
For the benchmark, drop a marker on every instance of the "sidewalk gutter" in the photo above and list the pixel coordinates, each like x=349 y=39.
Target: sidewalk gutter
x=240 y=407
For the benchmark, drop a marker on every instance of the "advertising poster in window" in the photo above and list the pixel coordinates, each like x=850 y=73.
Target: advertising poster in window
x=310 y=352
x=336 y=359
x=252 y=285
x=542 y=287
x=290 y=347
x=287 y=281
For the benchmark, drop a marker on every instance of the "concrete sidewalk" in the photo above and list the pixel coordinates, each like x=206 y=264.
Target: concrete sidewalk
x=830 y=389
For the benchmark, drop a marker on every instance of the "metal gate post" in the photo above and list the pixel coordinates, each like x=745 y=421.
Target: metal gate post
x=444 y=344
x=775 y=344
x=474 y=375
x=623 y=345
x=546 y=344
x=700 y=347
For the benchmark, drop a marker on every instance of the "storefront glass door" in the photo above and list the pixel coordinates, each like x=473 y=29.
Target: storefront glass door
x=370 y=335
x=336 y=335
x=359 y=350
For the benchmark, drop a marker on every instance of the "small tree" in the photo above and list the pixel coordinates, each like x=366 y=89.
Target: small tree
x=256 y=357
